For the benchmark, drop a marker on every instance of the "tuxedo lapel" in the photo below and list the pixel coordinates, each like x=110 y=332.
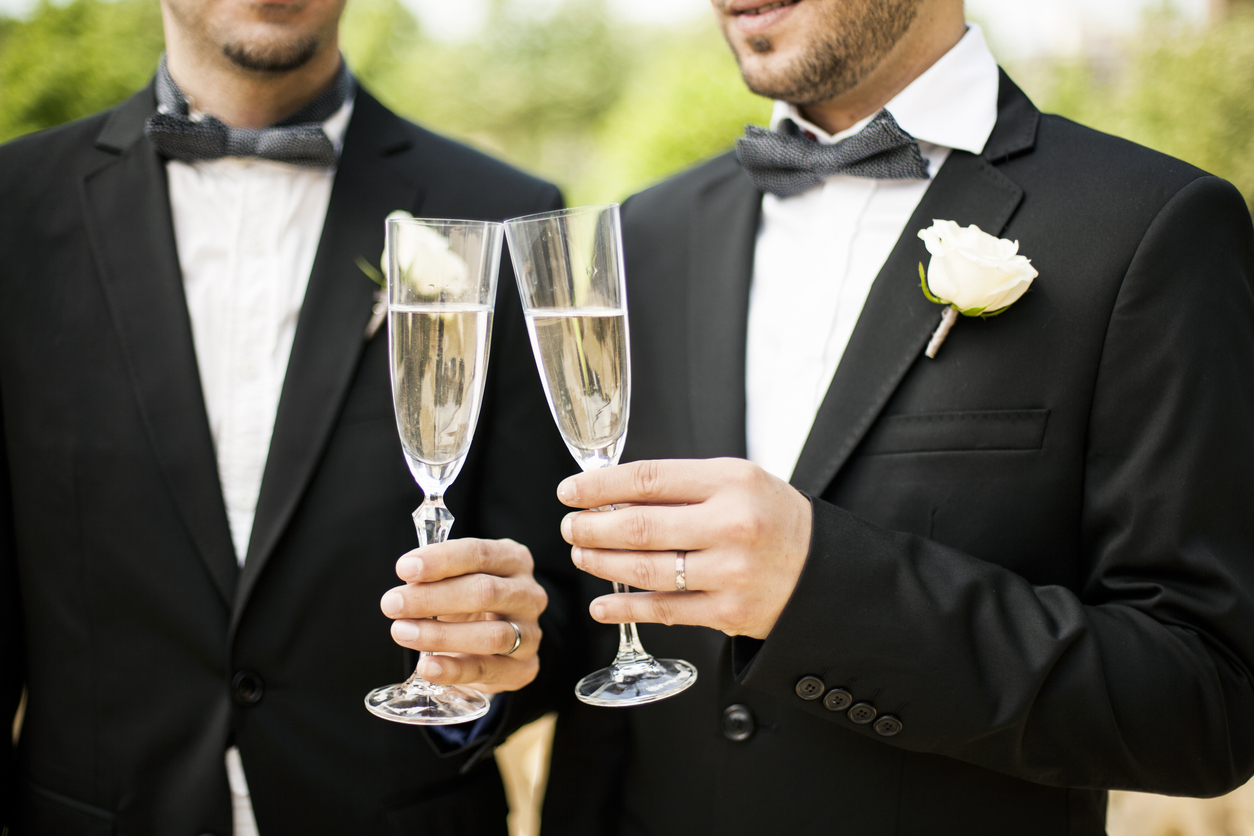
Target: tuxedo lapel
x=333 y=318
x=127 y=210
x=897 y=319
x=726 y=225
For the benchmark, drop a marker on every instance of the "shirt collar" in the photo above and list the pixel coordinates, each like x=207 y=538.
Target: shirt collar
x=952 y=104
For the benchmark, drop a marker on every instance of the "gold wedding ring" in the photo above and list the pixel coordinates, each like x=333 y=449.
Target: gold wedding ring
x=681 y=582
x=517 y=640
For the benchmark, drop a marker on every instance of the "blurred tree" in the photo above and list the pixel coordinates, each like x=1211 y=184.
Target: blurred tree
x=1186 y=92
x=685 y=102
x=67 y=61
x=376 y=36
x=605 y=109
x=529 y=88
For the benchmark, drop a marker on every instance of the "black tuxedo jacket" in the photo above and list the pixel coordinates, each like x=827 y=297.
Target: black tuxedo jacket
x=1035 y=552
x=144 y=650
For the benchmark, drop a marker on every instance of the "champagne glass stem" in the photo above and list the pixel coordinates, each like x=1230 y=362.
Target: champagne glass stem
x=416 y=700
x=434 y=521
x=629 y=647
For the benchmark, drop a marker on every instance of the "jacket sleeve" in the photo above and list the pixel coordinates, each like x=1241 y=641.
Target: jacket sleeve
x=1139 y=675
x=12 y=665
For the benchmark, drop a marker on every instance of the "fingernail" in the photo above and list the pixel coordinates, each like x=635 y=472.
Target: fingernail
x=429 y=668
x=405 y=631
x=566 y=490
x=566 y=527
x=576 y=555
x=392 y=603
x=408 y=568
x=598 y=611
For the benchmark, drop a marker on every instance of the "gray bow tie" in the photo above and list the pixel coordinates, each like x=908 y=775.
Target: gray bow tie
x=299 y=140
x=786 y=164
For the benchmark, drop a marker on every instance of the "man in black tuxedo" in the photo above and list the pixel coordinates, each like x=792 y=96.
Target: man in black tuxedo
x=996 y=583
x=167 y=618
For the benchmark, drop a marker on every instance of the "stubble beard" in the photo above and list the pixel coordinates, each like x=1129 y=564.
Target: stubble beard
x=276 y=56
x=851 y=42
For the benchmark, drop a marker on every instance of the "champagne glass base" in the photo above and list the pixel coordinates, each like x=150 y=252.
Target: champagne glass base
x=427 y=704
x=636 y=682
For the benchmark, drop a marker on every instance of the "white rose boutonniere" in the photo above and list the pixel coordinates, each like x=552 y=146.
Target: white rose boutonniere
x=972 y=272
x=380 y=310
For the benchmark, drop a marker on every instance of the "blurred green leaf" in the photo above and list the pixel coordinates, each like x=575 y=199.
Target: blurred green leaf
x=1185 y=91
x=604 y=109
x=68 y=61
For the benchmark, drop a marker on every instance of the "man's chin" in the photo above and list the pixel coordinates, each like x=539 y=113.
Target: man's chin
x=272 y=57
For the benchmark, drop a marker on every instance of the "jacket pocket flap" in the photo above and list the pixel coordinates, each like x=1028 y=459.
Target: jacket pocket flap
x=937 y=432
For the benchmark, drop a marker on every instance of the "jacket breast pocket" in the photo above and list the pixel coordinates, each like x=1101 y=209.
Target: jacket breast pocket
x=941 y=432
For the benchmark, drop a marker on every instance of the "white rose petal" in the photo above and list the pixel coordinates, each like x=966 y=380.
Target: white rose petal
x=972 y=270
x=425 y=260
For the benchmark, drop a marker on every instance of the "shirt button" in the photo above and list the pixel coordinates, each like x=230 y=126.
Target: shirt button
x=247 y=688
x=738 y=723
x=887 y=726
x=810 y=688
x=862 y=713
x=837 y=699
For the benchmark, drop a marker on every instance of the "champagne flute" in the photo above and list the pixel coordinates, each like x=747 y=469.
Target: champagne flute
x=569 y=266
x=441 y=277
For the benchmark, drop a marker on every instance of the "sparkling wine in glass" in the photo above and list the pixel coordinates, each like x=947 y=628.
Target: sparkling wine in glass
x=569 y=267
x=441 y=290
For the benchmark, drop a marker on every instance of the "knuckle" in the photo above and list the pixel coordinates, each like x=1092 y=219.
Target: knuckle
x=736 y=572
x=645 y=572
x=639 y=529
x=481 y=554
x=733 y=613
x=648 y=479
x=523 y=556
x=540 y=597
x=746 y=527
x=504 y=637
x=483 y=592
x=745 y=474
x=664 y=610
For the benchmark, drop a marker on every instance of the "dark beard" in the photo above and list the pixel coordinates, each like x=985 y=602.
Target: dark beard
x=277 y=58
x=841 y=56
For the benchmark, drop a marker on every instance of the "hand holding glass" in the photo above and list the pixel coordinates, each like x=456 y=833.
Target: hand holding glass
x=569 y=267
x=441 y=278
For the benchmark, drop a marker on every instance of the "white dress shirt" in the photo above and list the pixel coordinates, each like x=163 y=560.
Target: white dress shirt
x=247 y=231
x=819 y=252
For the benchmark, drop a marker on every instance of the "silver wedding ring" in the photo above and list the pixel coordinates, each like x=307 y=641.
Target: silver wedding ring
x=517 y=640
x=681 y=582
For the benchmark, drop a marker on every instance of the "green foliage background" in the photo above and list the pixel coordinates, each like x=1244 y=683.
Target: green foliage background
x=603 y=108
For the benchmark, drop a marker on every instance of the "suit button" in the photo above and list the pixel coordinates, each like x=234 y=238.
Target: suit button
x=738 y=723
x=887 y=726
x=837 y=699
x=862 y=713
x=810 y=687
x=246 y=688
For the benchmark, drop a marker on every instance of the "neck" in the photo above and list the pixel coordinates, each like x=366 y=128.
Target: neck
x=245 y=98
x=934 y=32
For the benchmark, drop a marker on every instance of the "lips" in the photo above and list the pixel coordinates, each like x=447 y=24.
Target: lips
x=765 y=7
x=756 y=17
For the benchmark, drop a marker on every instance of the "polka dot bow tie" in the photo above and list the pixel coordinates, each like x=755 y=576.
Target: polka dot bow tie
x=299 y=139
x=788 y=163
